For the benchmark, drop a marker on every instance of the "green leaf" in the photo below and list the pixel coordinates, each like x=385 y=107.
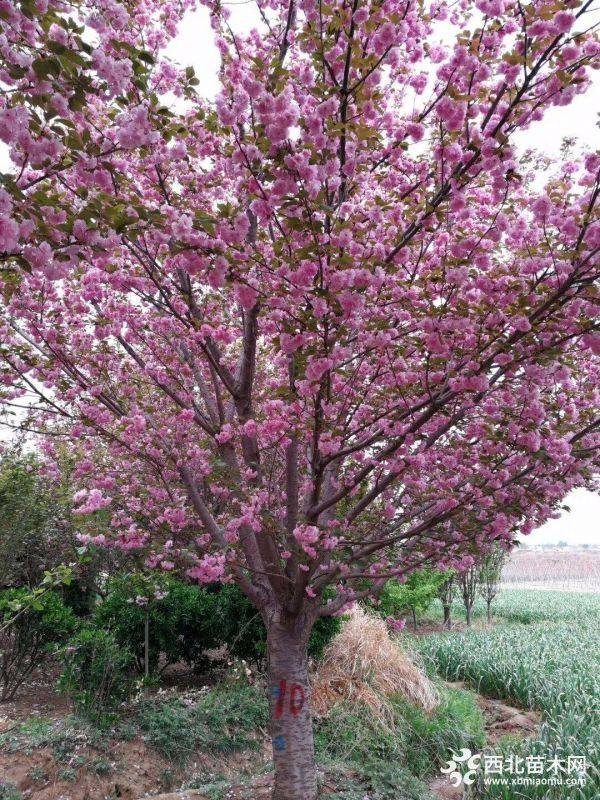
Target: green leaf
x=45 y=67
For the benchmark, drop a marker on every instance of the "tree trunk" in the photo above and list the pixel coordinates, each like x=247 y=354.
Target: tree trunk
x=291 y=719
x=147 y=645
x=447 y=617
x=468 y=610
x=414 y=616
x=489 y=612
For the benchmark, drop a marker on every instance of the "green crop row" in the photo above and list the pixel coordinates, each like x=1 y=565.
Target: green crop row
x=552 y=665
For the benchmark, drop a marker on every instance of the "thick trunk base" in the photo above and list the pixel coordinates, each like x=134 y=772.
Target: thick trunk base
x=291 y=720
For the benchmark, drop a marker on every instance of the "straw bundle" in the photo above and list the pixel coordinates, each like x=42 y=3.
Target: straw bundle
x=363 y=665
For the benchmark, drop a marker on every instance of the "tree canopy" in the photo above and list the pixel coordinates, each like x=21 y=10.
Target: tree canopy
x=324 y=330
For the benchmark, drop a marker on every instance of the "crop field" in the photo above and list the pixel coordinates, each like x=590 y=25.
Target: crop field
x=551 y=663
x=556 y=569
x=529 y=606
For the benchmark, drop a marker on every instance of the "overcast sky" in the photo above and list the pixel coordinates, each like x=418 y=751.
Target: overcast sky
x=194 y=46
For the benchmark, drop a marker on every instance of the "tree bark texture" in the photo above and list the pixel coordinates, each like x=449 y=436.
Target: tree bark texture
x=291 y=719
x=447 y=617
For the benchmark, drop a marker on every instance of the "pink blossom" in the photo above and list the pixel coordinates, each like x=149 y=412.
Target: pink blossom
x=563 y=21
x=9 y=234
x=208 y=569
x=395 y=624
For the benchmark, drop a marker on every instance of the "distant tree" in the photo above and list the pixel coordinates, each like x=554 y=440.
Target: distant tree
x=445 y=595
x=562 y=544
x=413 y=596
x=468 y=581
x=490 y=572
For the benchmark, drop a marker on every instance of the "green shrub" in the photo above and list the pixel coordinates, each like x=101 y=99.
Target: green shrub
x=9 y=791
x=180 y=624
x=384 y=781
x=414 y=596
x=239 y=625
x=188 y=621
x=399 y=755
x=456 y=723
x=28 y=636
x=98 y=671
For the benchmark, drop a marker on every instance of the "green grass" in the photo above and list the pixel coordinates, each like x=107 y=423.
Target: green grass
x=552 y=666
x=9 y=792
x=223 y=720
x=391 y=762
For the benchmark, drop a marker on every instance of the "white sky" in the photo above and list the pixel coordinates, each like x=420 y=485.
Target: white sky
x=195 y=46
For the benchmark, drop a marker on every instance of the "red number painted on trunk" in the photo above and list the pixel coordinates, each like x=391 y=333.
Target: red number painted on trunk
x=297 y=698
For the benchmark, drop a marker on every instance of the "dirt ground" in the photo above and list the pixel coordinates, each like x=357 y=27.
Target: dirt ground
x=94 y=767
x=100 y=768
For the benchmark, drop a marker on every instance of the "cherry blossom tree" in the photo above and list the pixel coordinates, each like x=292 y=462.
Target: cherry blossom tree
x=323 y=331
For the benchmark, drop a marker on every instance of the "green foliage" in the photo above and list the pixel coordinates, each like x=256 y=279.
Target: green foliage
x=429 y=737
x=67 y=774
x=226 y=719
x=9 y=791
x=550 y=666
x=179 y=623
x=99 y=766
x=29 y=632
x=213 y=787
x=389 y=761
x=415 y=595
x=238 y=625
x=98 y=671
x=188 y=621
x=386 y=781
x=31 y=534
x=38 y=544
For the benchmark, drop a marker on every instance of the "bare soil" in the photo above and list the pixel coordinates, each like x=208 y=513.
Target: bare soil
x=98 y=768
x=105 y=769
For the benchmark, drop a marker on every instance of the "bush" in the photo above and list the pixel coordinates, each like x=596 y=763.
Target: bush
x=9 y=791
x=180 y=624
x=415 y=595
x=33 y=633
x=239 y=625
x=188 y=621
x=98 y=671
x=430 y=737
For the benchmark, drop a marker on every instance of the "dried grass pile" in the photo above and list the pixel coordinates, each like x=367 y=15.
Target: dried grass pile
x=363 y=665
